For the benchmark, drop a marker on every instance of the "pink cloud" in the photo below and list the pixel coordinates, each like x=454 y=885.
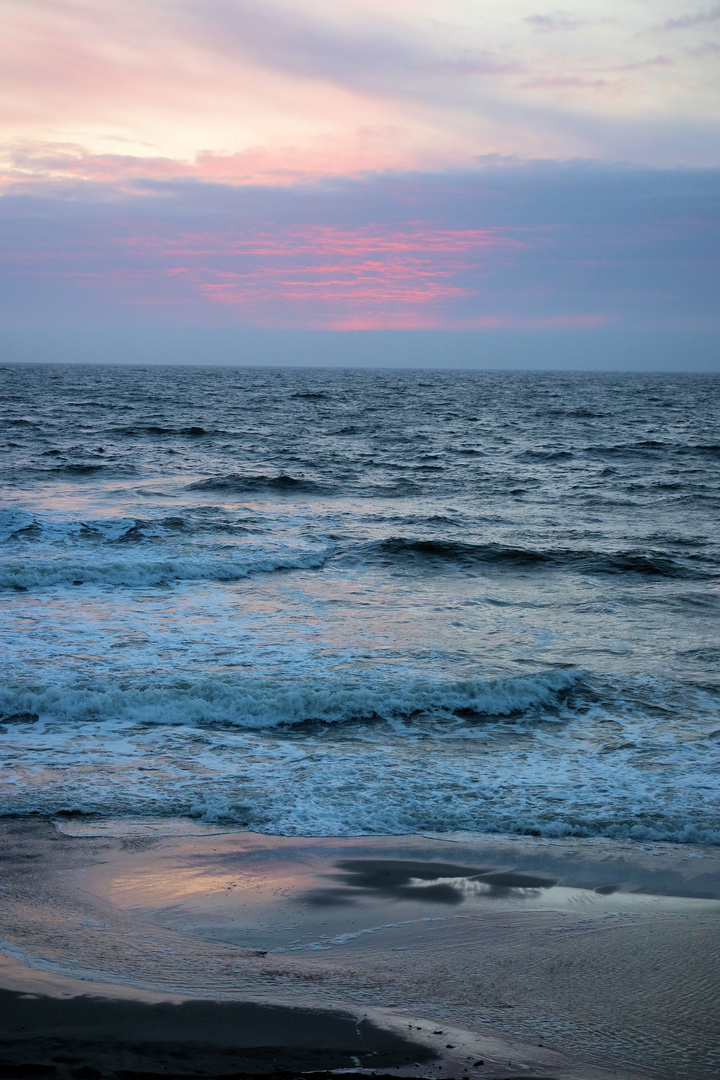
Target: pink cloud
x=321 y=239
x=319 y=275
x=420 y=320
x=526 y=247
x=409 y=275
x=36 y=164
x=356 y=153
x=274 y=91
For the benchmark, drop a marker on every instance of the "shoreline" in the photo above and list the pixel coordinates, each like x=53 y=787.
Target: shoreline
x=556 y=958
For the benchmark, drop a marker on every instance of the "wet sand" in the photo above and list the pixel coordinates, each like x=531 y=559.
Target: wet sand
x=207 y=953
x=84 y=1034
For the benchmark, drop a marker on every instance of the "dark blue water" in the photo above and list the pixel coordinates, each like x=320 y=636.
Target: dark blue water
x=344 y=602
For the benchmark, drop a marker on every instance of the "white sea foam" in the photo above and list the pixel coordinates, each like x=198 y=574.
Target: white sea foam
x=550 y=780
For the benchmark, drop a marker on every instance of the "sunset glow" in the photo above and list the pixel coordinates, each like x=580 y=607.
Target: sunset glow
x=403 y=165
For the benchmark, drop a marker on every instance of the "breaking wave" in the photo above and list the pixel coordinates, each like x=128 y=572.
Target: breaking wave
x=138 y=571
x=257 y=704
x=324 y=757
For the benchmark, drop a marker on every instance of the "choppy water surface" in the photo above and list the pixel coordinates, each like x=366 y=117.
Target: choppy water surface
x=323 y=602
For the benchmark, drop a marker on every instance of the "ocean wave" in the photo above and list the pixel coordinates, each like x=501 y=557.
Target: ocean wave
x=192 y=431
x=139 y=571
x=257 y=704
x=77 y=468
x=403 y=550
x=545 y=455
x=72 y=470
x=552 y=754
x=68 y=552
x=156 y=814
x=28 y=528
x=248 y=484
x=18 y=526
x=652 y=448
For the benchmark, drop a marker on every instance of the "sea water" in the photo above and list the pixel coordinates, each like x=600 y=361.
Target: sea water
x=318 y=602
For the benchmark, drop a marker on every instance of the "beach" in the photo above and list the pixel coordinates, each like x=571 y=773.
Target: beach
x=136 y=952
x=358 y=720
x=359 y=546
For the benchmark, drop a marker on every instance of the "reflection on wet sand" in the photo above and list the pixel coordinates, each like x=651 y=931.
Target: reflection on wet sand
x=424 y=882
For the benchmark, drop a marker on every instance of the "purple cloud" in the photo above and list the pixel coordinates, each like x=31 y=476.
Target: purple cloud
x=697 y=18
x=557 y=21
x=382 y=58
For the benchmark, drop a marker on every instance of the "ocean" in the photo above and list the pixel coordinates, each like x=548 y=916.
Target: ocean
x=333 y=603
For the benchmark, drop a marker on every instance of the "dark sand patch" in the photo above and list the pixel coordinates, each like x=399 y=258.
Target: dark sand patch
x=73 y=1036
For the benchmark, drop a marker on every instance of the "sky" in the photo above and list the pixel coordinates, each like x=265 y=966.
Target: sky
x=407 y=181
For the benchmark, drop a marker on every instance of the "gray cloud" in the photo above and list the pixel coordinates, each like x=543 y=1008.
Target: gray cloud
x=499 y=192
x=708 y=48
x=557 y=21
x=697 y=18
x=384 y=60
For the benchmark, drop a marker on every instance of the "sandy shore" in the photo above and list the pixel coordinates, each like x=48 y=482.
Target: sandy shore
x=129 y=952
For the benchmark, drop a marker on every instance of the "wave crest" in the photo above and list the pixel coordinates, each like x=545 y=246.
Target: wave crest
x=137 y=572
x=462 y=553
x=247 y=484
x=268 y=703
